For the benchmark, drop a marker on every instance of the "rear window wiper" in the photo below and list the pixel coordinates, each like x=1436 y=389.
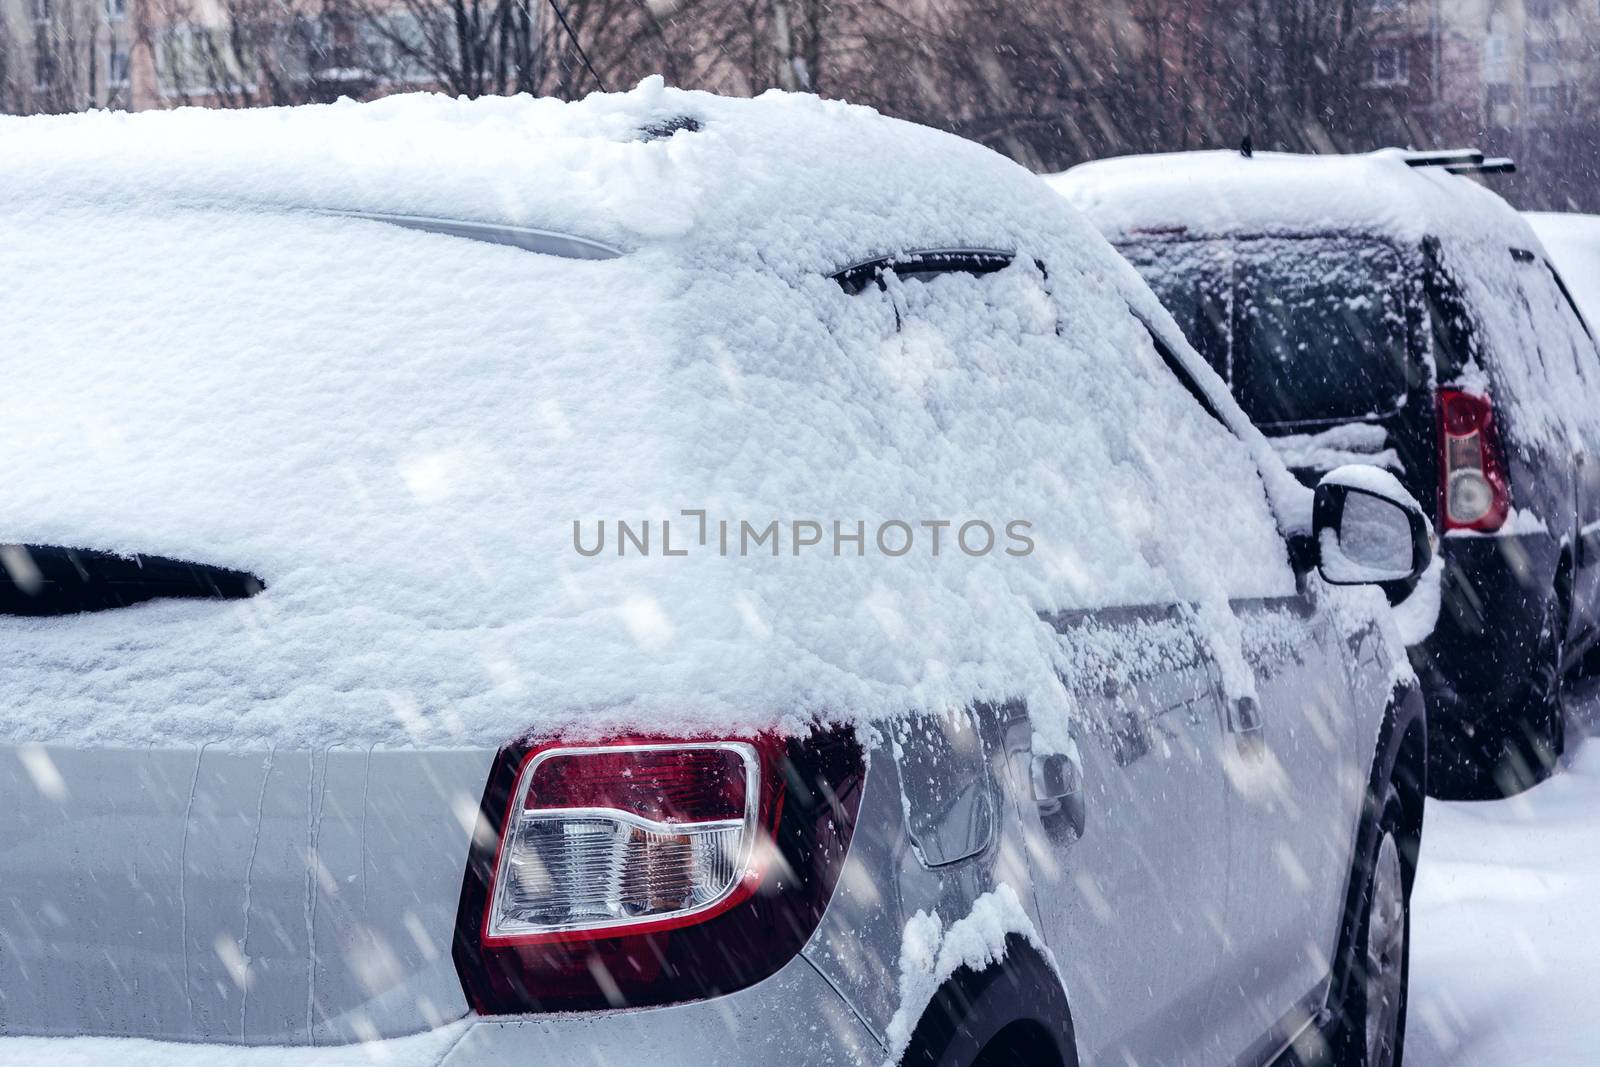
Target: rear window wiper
x=53 y=580
x=923 y=266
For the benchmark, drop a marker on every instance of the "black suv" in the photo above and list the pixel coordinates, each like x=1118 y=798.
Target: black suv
x=1386 y=309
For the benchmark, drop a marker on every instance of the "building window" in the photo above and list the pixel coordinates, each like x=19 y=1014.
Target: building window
x=117 y=69
x=1498 y=94
x=41 y=10
x=1544 y=95
x=1542 y=53
x=116 y=10
x=1391 y=65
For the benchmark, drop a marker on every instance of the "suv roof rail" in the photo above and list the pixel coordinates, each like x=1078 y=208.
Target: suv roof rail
x=1496 y=165
x=1462 y=161
x=1448 y=157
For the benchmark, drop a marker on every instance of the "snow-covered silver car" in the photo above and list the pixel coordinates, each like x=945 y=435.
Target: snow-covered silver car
x=661 y=577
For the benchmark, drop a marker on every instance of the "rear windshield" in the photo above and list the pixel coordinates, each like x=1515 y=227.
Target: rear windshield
x=1305 y=329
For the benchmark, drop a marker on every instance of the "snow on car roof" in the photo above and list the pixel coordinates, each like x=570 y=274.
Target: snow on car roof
x=1573 y=242
x=399 y=430
x=1219 y=193
x=745 y=179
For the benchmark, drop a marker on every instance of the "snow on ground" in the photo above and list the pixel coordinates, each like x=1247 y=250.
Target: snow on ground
x=1505 y=924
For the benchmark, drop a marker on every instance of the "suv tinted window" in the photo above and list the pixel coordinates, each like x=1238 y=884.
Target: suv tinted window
x=1305 y=329
x=1563 y=338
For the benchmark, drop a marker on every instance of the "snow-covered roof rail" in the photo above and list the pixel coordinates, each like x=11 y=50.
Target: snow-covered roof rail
x=1462 y=161
x=1447 y=157
x=548 y=242
x=1496 y=165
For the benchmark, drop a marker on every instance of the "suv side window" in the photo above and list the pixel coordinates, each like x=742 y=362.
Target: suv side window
x=1563 y=341
x=1557 y=338
x=1553 y=350
x=1588 y=357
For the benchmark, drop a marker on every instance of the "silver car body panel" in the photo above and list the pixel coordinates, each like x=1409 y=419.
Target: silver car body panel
x=794 y=1017
x=309 y=898
x=255 y=897
x=1136 y=904
x=298 y=898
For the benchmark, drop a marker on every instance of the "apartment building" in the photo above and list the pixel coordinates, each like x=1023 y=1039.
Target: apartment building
x=1519 y=64
x=68 y=55
x=71 y=55
x=1516 y=77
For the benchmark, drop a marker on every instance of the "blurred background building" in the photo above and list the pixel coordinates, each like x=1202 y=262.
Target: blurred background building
x=1049 y=82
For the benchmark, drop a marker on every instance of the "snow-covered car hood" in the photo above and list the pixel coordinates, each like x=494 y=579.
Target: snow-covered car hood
x=398 y=430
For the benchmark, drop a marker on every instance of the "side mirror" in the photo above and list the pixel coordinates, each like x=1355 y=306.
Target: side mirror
x=1368 y=529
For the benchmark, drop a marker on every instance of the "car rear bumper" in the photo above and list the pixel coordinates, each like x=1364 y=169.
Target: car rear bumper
x=1495 y=608
x=794 y=1017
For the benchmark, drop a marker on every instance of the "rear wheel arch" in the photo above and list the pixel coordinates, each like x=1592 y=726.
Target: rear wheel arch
x=1013 y=1012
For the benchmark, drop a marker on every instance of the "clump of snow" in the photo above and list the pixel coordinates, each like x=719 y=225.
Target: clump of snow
x=1519 y=523
x=930 y=952
x=1573 y=242
x=400 y=431
x=1418 y=613
x=1355 y=442
x=1374 y=480
x=1471 y=379
x=1504 y=925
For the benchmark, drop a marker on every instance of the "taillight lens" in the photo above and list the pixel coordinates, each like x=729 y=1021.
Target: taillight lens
x=1473 y=489
x=644 y=871
x=606 y=837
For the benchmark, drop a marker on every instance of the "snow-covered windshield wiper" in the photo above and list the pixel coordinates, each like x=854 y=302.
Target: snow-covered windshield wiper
x=52 y=580
x=921 y=266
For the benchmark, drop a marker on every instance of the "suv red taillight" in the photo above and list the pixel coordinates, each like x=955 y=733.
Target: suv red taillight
x=1474 y=493
x=647 y=870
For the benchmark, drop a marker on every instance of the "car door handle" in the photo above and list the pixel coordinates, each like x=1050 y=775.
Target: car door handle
x=1057 y=780
x=1248 y=726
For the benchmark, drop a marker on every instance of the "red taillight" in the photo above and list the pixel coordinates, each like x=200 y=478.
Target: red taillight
x=642 y=871
x=1474 y=493
x=675 y=783
x=630 y=836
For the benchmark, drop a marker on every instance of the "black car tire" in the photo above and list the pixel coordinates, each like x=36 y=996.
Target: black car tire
x=1370 y=1023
